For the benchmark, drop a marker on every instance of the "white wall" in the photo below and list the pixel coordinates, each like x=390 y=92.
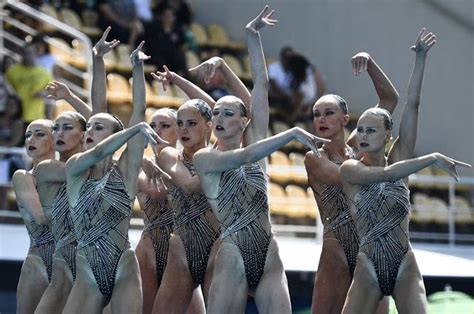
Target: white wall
x=329 y=32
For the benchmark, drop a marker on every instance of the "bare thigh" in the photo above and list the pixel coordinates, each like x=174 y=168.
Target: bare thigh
x=333 y=279
x=85 y=296
x=271 y=294
x=210 y=270
x=147 y=261
x=55 y=297
x=127 y=293
x=176 y=289
x=409 y=291
x=229 y=290
x=364 y=293
x=32 y=284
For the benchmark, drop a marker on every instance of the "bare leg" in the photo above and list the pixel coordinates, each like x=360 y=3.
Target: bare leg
x=409 y=292
x=31 y=285
x=85 y=296
x=206 y=286
x=229 y=271
x=272 y=295
x=55 y=297
x=364 y=294
x=176 y=289
x=146 y=260
x=332 y=281
x=127 y=295
x=384 y=306
x=197 y=305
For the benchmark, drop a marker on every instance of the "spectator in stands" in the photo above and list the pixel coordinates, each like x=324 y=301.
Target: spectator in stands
x=167 y=43
x=29 y=80
x=295 y=84
x=12 y=131
x=44 y=57
x=122 y=17
x=184 y=15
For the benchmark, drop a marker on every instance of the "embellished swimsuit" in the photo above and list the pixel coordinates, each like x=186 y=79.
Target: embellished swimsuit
x=158 y=227
x=195 y=224
x=40 y=238
x=243 y=213
x=382 y=209
x=334 y=208
x=101 y=222
x=62 y=228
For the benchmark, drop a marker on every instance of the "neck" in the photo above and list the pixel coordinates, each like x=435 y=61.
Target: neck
x=64 y=156
x=189 y=151
x=47 y=156
x=376 y=159
x=229 y=143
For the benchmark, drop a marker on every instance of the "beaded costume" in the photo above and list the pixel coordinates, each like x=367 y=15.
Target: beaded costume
x=334 y=208
x=382 y=209
x=195 y=224
x=243 y=213
x=101 y=222
x=62 y=228
x=158 y=220
x=40 y=238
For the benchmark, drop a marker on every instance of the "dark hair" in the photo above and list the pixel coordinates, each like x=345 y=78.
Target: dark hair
x=201 y=106
x=77 y=117
x=41 y=40
x=341 y=102
x=298 y=67
x=285 y=51
x=118 y=125
x=384 y=114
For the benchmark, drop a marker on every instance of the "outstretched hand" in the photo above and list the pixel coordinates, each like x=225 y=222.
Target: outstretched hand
x=449 y=165
x=103 y=46
x=151 y=135
x=154 y=173
x=264 y=18
x=57 y=90
x=165 y=78
x=424 y=41
x=138 y=56
x=309 y=140
x=207 y=69
x=360 y=62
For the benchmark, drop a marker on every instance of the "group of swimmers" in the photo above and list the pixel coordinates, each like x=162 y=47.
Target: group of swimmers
x=207 y=241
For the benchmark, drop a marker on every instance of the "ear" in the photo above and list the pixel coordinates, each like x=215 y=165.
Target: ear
x=346 y=119
x=245 y=122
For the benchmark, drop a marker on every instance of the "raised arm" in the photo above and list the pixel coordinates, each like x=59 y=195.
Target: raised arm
x=259 y=108
x=99 y=80
x=59 y=91
x=404 y=145
x=207 y=160
x=207 y=70
x=81 y=162
x=189 y=88
x=355 y=172
x=131 y=159
x=388 y=95
x=23 y=184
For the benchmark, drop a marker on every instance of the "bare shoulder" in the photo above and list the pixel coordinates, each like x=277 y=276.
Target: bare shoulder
x=311 y=160
x=21 y=177
x=201 y=157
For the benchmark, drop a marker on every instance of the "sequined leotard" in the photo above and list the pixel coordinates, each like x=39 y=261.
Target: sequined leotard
x=40 y=238
x=195 y=224
x=382 y=210
x=101 y=222
x=243 y=213
x=62 y=228
x=334 y=208
x=158 y=227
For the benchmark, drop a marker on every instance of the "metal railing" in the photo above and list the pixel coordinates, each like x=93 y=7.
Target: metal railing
x=58 y=27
